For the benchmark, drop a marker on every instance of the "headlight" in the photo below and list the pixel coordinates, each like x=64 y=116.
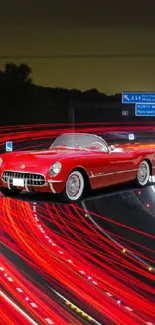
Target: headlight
x=55 y=169
x=1 y=162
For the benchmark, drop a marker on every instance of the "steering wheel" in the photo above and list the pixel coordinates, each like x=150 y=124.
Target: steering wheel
x=100 y=144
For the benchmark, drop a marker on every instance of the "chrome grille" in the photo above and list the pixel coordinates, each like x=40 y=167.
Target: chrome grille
x=29 y=178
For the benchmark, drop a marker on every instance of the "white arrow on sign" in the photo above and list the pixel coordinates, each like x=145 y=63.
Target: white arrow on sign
x=126 y=97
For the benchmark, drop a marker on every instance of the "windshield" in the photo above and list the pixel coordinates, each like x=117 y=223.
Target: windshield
x=81 y=141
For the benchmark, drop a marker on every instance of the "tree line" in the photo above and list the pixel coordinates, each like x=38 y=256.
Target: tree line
x=22 y=101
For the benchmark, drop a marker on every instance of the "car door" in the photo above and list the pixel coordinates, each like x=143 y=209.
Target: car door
x=99 y=169
x=122 y=167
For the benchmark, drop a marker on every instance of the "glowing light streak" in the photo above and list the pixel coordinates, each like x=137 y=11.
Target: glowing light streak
x=4 y=296
x=104 y=267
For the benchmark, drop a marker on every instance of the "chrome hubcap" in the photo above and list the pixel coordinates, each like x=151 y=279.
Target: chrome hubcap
x=73 y=185
x=142 y=173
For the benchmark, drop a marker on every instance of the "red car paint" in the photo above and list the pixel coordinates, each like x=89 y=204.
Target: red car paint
x=102 y=168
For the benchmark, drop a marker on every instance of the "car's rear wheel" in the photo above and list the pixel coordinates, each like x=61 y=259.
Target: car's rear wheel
x=143 y=174
x=74 y=187
x=8 y=192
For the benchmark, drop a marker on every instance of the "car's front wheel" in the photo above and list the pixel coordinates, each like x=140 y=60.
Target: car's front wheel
x=74 y=187
x=8 y=192
x=143 y=174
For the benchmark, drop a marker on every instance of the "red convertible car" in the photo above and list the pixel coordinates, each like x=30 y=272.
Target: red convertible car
x=74 y=162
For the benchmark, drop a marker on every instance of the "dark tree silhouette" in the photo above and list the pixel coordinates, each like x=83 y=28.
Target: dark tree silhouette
x=25 y=72
x=1 y=76
x=17 y=74
x=94 y=95
x=21 y=101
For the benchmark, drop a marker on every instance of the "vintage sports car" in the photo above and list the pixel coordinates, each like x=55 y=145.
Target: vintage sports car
x=73 y=163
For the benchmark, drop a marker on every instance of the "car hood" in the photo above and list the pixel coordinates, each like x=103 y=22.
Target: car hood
x=36 y=159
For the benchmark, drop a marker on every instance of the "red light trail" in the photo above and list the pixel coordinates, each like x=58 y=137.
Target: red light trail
x=89 y=277
x=72 y=259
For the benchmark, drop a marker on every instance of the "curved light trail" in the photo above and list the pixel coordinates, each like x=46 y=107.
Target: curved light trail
x=59 y=268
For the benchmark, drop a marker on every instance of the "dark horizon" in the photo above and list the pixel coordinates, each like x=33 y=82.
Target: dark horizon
x=108 y=46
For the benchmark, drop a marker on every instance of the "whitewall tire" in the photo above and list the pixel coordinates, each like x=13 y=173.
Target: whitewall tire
x=143 y=174
x=74 y=186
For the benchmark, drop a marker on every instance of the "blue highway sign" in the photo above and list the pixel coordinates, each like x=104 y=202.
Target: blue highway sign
x=9 y=146
x=138 y=97
x=145 y=110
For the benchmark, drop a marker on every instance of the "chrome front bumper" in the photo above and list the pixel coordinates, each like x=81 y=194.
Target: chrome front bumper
x=30 y=180
x=51 y=183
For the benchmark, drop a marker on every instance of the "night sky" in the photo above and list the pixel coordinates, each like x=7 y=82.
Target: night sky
x=47 y=33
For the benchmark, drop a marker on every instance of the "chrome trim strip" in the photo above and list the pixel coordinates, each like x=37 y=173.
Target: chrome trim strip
x=52 y=187
x=120 y=172
x=8 y=183
x=26 y=186
x=54 y=181
x=126 y=171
